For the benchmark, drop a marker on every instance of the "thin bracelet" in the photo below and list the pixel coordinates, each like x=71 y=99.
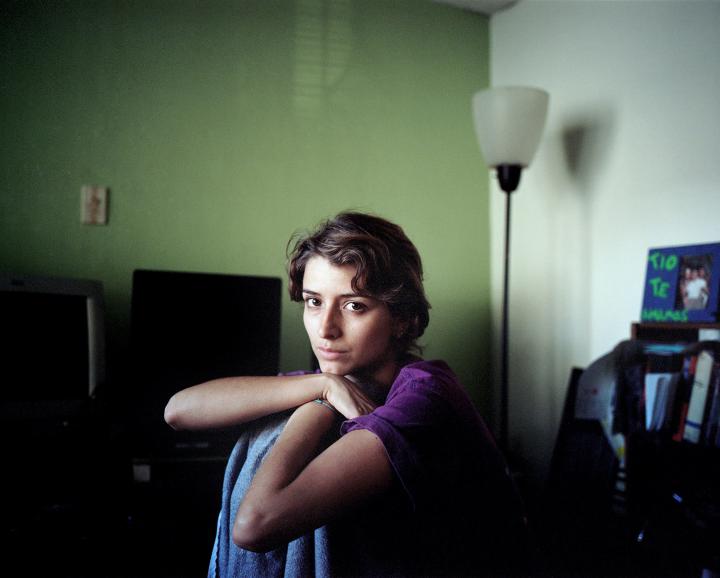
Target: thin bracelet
x=329 y=406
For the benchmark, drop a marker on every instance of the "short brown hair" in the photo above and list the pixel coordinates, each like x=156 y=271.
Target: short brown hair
x=388 y=266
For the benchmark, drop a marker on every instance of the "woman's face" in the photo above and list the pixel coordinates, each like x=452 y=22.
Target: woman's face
x=350 y=334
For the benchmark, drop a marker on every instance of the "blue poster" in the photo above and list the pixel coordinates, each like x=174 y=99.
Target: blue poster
x=681 y=284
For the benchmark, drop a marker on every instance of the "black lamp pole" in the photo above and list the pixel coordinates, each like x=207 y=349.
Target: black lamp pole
x=509 y=121
x=509 y=178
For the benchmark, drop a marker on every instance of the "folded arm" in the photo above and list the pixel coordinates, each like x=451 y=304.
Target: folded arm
x=235 y=400
x=295 y=490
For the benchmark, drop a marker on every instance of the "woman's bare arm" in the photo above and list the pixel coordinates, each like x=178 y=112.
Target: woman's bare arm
x=235 y=400
x=295 y=491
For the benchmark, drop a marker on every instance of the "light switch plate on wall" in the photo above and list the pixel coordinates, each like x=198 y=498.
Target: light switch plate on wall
x=94 y=203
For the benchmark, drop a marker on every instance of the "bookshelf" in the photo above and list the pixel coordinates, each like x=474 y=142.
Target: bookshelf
x=651 y=508
x=673 y=481
x=675 y=332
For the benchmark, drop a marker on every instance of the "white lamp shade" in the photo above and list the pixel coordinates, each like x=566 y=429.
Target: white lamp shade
x=509 y=122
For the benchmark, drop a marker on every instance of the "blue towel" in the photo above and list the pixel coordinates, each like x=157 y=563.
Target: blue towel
x=304 y=557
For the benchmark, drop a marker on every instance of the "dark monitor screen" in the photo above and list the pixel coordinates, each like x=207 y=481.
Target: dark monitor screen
x=187 y=328
x=44 y=344
x=191 y=327
x=51 y=339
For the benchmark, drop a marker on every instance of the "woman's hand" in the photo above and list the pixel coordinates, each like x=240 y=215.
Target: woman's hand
x=347 y=395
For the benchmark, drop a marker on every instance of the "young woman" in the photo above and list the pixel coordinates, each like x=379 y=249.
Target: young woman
x=413 y=483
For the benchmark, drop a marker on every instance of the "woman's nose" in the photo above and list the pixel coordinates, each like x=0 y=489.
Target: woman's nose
x=329 y=326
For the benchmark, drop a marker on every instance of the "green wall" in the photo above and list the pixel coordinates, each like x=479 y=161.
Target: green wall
x=222 y=127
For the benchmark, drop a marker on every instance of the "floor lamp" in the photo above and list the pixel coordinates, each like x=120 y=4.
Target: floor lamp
x=508 y=122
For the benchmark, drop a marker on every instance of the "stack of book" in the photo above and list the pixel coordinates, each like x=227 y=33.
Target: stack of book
x=699 y=400
x=681 y=395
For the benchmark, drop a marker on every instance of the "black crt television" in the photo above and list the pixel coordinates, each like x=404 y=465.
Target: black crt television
x=187 y=328
x=52 y=344
x=52 y=360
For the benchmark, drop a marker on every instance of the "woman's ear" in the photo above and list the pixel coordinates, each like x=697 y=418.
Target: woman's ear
x=400 y=329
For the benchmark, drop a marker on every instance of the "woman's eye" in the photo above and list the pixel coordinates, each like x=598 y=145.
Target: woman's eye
x=312 y=302
x=355 y=306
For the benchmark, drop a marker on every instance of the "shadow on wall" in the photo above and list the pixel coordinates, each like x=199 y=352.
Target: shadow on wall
x=586 y=140
x=555 y=281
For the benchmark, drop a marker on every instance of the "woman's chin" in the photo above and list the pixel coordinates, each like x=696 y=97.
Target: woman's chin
x=334 y=368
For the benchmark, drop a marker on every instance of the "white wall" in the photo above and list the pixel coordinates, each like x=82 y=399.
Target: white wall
x=630 y=160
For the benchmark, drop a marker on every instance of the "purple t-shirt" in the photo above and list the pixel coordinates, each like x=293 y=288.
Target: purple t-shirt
x=456 y=510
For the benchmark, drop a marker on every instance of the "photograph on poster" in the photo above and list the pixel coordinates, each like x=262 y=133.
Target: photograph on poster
x=694 y=277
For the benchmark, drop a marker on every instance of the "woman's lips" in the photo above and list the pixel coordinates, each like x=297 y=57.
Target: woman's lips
x=330 y=354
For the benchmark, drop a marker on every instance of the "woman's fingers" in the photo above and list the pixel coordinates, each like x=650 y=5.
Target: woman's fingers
x=348 y=397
